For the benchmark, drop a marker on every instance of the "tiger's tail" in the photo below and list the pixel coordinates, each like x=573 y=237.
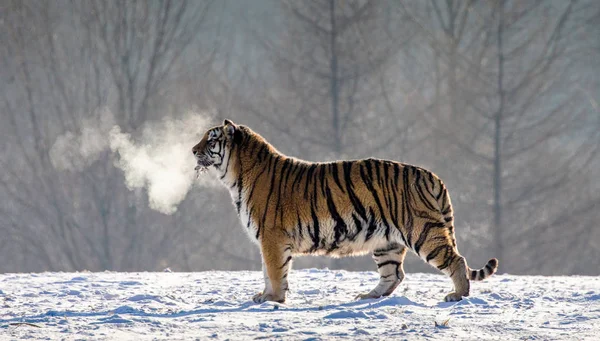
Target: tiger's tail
x=485 y=272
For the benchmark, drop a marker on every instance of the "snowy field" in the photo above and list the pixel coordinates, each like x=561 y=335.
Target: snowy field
x=320 y=306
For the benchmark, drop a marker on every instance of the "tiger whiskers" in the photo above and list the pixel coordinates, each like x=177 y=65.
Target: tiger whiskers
x=200 y=170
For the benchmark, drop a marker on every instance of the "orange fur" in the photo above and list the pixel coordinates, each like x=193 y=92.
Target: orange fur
x=292 y=207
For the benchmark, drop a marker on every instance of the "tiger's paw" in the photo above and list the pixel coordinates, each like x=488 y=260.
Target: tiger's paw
x=367 y=296
x=453 y=297
x=264 y=297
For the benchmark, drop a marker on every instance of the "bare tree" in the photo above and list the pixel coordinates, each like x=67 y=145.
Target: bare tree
x=140 y=42
x=328 y=83
x=511 y=102
x=500 y=98
x=56 y=55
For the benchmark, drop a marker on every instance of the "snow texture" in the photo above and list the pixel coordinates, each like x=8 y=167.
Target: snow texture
x=217 y=305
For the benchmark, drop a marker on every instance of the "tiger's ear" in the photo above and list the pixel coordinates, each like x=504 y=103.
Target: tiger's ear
x=229 y=127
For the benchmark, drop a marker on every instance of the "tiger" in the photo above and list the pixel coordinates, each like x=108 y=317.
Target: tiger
x=290 y=207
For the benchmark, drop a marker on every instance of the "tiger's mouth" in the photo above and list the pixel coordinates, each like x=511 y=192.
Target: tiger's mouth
x=202 y=165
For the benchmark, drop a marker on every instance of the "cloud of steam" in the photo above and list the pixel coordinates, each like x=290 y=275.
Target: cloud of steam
x=160 y=160
x=76 y=151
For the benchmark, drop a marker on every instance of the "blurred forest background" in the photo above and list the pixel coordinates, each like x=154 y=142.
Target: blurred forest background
x=497 y=97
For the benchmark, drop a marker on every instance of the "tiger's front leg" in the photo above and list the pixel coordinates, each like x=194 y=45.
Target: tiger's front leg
x=276 y=263
x=389 y=265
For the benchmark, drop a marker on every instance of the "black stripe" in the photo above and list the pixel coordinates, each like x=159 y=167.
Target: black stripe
x=444 y=198
x=266 y=151
x=394 y=208
x=431 y=184
x=448 y=260
x=420 y=193
x=396 y=175
x=259 y=151
x=336 y=178
x=269 y=163
x=255 y=180
x=285 y=165
x=286 y=262
x=388 y=262
x=423 y=199
x=300 y=226
x=404 y=210
x=367 y=181
x=385 y=251
x=431 y=180
x=423 y=236
x=441 y=191
x=356 y=203
x=249 y=215
x=315 y=183
x=340 y=229
x=278 y=211
x=323 y=180
x=309 y=175
x=376 y=166
x=256 y=162
x=227 y=165
x=270 y=192
x=408 y=220
x=436 y=251
x=394 y=215
x=334 y=246
x=358 y=226
x=287 y=175
x=386 y=176
x=385 y=166
x=380 y=180
x=301 y=171
x=429 y=191
x=239 y=181
x=250 y=148
x=385 y=191
x=372 y=226
x=258 y=228
x=315 y=235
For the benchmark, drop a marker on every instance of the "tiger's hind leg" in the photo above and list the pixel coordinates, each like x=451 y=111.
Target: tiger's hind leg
x=391 y=271
x=439 y=250
x=458 y=273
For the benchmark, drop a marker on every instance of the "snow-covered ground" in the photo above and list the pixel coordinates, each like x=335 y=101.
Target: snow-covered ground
x=320 y=306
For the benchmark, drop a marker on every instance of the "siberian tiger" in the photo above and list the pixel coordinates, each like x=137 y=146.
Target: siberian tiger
x=291 y=207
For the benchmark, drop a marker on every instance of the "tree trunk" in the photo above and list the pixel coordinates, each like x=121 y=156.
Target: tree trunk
x=334 y=82
x=497 y=140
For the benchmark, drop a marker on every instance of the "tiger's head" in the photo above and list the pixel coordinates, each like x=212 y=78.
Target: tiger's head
x=215 y=146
